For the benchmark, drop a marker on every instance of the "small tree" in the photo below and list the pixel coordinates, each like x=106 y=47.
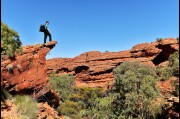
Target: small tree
x=81 y=102
x=135 y=89
x=71 y=109
x=103 y=107
x=10 y=40
x=63 y=84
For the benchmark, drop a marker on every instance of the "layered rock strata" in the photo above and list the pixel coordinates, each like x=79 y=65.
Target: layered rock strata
x=95 y=69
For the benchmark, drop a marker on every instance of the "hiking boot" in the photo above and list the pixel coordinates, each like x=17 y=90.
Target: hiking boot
x=44 y=44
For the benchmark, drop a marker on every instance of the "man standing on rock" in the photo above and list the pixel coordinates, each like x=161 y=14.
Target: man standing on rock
x=46 y=32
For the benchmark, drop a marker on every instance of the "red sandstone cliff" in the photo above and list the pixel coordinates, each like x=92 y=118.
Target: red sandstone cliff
x=95 y=68
x=31 y=70
x=27 y=72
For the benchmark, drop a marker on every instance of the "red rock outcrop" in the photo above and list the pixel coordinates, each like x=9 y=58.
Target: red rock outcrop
x=94 y=69
x=27 y=72
x=47 y=112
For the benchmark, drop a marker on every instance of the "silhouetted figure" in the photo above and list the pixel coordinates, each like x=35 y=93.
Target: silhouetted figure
x=46 y=32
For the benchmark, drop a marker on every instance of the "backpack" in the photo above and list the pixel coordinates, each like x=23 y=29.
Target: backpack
x=42 y=28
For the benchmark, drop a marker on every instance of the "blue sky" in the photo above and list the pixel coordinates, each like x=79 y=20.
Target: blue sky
x=92 y=25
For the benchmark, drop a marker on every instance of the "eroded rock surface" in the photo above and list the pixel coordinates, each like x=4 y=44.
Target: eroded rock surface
x=94 y=69
x=27 y=72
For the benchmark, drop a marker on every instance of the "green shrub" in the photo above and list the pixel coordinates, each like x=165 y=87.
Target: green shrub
x=10 y=40
x=103 y=108
x=135 y=88
x=26 y=106
x=63 y=84
x=172 y=69
x=175 y=85
x=71 y=109
x=66 y=117
x=164 y=73
x=88 y=95
x=80 y=103
x=174 y=63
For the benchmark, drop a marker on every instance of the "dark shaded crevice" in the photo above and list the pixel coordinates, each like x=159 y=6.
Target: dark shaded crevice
x=62 y=70
x=51 y=46
x=81 y=68
x=13 y=92
x=108 y=59
x=12 y=58
x=102 y=72
x=26 y=91
x=143 y=50
x=164 y=54
x=50 y=98
x=65 y=69
x=118 y=64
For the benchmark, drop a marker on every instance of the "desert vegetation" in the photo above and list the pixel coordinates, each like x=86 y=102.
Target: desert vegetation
x=135 y=94
x=26 y=107
x=10 y=41
x=164 y=72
